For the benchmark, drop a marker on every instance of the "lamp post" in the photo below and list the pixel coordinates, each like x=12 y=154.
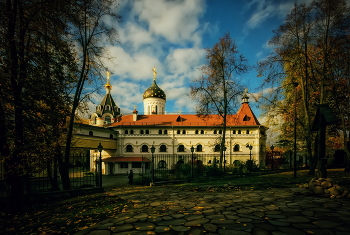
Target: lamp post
x=295 y=129
x=192 y=150
x=224 y=150
x=272 y=147
x=96 y=176
x=152 y=151
x=250 y=156
x=100 y=148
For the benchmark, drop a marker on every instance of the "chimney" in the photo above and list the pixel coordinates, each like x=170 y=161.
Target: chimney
x=134 y=115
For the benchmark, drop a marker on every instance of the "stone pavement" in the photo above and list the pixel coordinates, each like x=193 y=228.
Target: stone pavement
x=167 y=210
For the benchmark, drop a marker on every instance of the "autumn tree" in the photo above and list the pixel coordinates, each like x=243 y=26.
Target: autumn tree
x=217 y=89
x=92 y=35
x=305 y=48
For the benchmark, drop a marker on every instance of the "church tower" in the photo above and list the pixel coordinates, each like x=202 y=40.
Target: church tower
x=154 y=98
x=107 y=112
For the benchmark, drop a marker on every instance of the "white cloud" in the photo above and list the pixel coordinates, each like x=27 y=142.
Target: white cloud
x=176 y=21
x=184 y=60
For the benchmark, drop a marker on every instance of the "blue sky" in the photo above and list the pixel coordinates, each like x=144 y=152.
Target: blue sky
x=173 y=35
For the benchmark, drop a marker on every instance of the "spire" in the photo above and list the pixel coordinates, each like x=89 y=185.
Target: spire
x=245 y=97
x=154 y=73
x=108 y=85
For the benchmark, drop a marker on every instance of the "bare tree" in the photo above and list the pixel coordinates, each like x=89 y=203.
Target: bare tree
x=216 y=91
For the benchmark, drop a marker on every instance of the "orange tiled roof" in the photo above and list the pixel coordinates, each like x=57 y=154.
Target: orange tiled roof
x=244 y=117
x=126 y=159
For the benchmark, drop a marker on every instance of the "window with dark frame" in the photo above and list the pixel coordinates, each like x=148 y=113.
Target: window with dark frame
x=199 y=148
x=144 y=149
x=162 y=148
x=129 y=148
x=181 y=148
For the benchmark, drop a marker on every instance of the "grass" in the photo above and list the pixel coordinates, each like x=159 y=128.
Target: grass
x=72 y=215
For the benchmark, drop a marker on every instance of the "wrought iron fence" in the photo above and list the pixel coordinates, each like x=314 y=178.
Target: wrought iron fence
x=44 y=175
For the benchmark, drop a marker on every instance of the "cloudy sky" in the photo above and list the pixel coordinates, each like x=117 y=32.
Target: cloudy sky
x=173 y=34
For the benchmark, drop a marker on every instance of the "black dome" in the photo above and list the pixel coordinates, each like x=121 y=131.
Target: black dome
x=154 y=91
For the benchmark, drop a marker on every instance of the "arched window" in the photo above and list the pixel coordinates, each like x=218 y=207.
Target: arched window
x=126 y=132
x=215 y=132
x=239 y=132
x=217 y=148
x=199 y=148
x=178 y=132
x=236 y=148
x=183 y=132
x=95 y=120
x=160 y=132
x=181 y=148
x=234 y=132
x=111 y=136
x=220 y=132
x=131 y=132
x=196 y=132
x=107 y=108
x=162 y=164
x=202 y=132
x=91 y=133
x=165 y=132
x=162 y=148
x=147 y=132
x=247 y=132
x=144 y=149
x=108 y=119
x=129 y=148
x=142 y=132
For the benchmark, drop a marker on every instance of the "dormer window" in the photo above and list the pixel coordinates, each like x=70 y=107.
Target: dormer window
x=108 y=108
x=246 y=118
x=99 y=107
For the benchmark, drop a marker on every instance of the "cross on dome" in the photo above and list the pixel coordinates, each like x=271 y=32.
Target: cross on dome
x=154 y=73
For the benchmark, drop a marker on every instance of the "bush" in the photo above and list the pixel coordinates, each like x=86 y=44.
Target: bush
x=143 y=180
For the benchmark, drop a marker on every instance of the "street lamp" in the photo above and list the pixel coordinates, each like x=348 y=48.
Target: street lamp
x=100 y=148
x=224 y=150
x=272 y=147
x=295 y=129
x=192 y=150
x=250 y=156
x=152 y=151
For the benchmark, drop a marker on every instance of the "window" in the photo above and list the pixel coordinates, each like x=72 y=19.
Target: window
x=183 y=132
x=217 y=148
x=129 y=148
x=246 y=118
x=131 y=132
x=95 y=120
x=202 y=132
x=162 y=148
x=215 y=132
x=91 y=133
x=136 y=164
x=236 y=148
x=108 y=119
x=126 y=132
x=181 y=148
x=220 y=132
x=123 y=165
x=142 y=132
x=147 y=132
x=247 y=132
x=209 y=162
x=234 y=132
x=199 y=148
x=107 y=107
x=160 y=132
x=165 y=132
x=111 y=136
x=162 y=164
x=178 y=132
x=196 y=132
x=239 y=132
x=144 y=149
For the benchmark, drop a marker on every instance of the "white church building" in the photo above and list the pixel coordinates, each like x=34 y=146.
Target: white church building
x=127 y=140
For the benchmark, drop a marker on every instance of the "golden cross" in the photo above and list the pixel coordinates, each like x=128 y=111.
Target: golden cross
x=154 y=72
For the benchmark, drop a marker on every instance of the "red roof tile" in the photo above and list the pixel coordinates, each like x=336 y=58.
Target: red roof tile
x=244 y=117
x=126 y=159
